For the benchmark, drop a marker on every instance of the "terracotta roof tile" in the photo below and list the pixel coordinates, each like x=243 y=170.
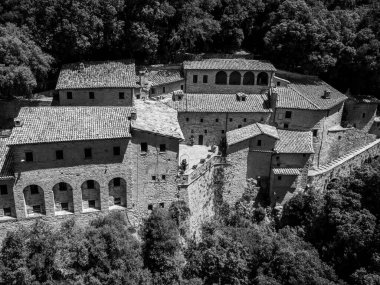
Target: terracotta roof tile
x=160 y=77
x=100 y=74
x=287 y=171
x=55 y=124
x=220 y=103
x=156 y=117
x=229 y=64
x=306 y=92
x=250 y=131
x=294 y=142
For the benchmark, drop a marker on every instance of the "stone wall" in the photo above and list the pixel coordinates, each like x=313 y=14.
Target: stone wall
x=102 y=97
x=339 y=143
x=360 y=115
x=211 y=88
x=166 y=88
x=148 y=178
x=318 y=179
x=56 y=221
x=213 y=126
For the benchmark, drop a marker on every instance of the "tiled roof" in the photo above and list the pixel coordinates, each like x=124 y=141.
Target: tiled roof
x=287 y=171
x=100 y=74
x=220 y=103
x=155 y=117
x=56 y=124
x=294 y=142
x=6 y=170
x=160 y=77
x=229 y=64
x=250 y=131
x=306 y=92
x=367 y=99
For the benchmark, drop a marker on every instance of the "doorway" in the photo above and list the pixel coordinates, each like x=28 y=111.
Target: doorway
x=200 y=140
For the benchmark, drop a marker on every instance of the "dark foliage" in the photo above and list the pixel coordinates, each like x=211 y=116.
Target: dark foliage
x=336 y=39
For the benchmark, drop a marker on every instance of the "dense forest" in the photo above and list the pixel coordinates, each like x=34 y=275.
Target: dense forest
x=320 y=239
x=338 y=40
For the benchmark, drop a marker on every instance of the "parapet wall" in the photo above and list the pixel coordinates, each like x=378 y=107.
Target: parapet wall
x=342 y=167
x=56 y=221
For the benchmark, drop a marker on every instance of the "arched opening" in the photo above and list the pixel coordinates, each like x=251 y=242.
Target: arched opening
x=221 y=78
x=235 y=78
x=117 y=193
x=90 y=195
x=262 y=78
x=249 y=78
x=34 y=201
x=63 y=198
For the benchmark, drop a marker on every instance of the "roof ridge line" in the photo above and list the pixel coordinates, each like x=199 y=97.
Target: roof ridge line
x=307 y=99
x=257 y=124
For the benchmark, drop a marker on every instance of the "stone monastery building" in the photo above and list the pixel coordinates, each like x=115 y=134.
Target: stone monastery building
x=117 y=136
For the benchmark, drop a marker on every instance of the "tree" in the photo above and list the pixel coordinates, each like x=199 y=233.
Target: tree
x=161 y=248
x=23 y=65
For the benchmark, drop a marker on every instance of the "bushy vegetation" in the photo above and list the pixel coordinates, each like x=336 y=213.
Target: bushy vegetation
x=331 y=238
x=337 y=39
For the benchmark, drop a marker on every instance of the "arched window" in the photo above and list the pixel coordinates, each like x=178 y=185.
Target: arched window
x=235 y=78
x=249 y=78
x=262 y=79
x=118 y=196
x=63 y=198
x=221 y=78
x=90 y=195
x=34 y=200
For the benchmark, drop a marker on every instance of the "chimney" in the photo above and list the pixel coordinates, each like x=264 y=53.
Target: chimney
x=81 y=66
x=177 y=95
x=18 y=123
x=240 y=96
x=142 y=77
x=133 y=115
x=327 y=94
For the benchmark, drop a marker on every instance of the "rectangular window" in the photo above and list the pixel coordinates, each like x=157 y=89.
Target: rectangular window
x=245 y=120
x=121 y=95
x=163 y=177
x=116 y=150
x=288 y=114
x=69 y=95
x=91 y=203
x=153 y=177
x=195 y=78
x=201 y=120
x=181 y=87
x=286 y=126
x=363 y=116
x=87 y=153
x=137 y=96
x=59 y=154
x=162 y=205
x=279 y=177
x=150 y=207
x=163 y=89
x=90 y=184
x=144 y=147
x=116 y=182
x=117 y=201
x=222 y=131
x=65 y=206
x=205 y=78
x=162 y=147
x=187 y=119
x=37 y=209
x=3 y=190
x=216 y=120
x=205 y=131
x=315 y=133
x=28 y=156
x=91 y=95
x=62 y=186
x=278 y=83
x=7 y=212
x=153 y=91
x=33 y=189
x=230 y=119
x=258 y=142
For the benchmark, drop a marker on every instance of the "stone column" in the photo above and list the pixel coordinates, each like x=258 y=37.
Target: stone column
x=104 y=196
x=49 y=201
x=77 y=199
